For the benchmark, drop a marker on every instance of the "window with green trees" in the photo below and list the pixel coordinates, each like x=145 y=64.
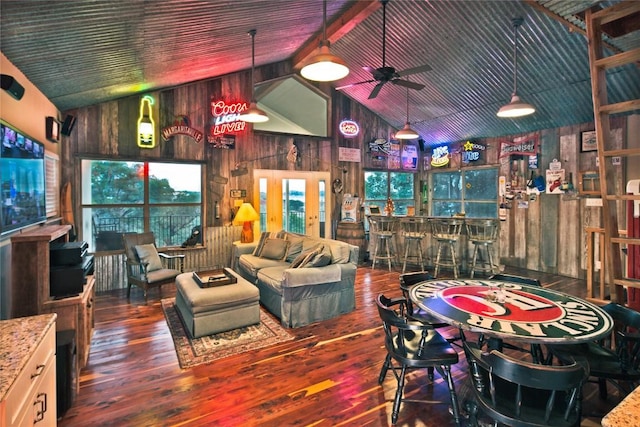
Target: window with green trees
x=472 y=191
x=122 y=197
x=380 y=185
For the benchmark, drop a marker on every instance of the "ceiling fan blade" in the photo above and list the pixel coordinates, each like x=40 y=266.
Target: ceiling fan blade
x=355 y=84
x=414 y=70
x=376 y=90
x=406 y=83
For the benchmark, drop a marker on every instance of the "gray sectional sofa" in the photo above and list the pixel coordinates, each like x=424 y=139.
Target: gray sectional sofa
x=301 y=279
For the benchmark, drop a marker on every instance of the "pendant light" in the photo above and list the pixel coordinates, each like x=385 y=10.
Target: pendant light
x=253 y=114
x=325 y=67
x=516 y=108
x=406 y=132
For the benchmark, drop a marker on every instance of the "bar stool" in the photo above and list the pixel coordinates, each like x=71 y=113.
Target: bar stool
x=482 y=233
x=446 y=231
x=382 y=229
x=414 y=231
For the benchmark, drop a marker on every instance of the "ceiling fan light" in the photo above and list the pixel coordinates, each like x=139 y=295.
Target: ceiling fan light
x=325 y=67
x=516 y=108
x=406 y=132
x=253 y=114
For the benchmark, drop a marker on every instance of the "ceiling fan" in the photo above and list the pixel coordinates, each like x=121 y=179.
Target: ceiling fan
x=386 y=74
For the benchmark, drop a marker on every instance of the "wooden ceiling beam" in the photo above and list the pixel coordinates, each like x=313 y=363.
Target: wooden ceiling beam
x=336 y=29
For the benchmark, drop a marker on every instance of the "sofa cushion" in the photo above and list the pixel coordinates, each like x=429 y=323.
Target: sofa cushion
x=148 y=254
x=275 y=249
x=340 y=252
x=272 y=277
x=306 y=256
x=319 y=259
x=263 y=239
x=252 y=264
x=295 y=247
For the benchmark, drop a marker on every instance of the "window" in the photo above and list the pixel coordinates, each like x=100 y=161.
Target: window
x=122 y=197
x=472 y=191
x=379 y=186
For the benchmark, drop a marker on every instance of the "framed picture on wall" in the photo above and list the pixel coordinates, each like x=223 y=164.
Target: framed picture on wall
x=588 y=141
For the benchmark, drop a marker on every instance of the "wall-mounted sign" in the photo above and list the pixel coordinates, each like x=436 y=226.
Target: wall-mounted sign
x=440 y=156
x=226 y=118
x=409 y=157
x=471 y=151
x=349 y=128
x=227 y=142
x=181 y=126
x=146 y=125
x=393 y=158
x=348 y=154
x=237 y=194
x=524 y=145
x=380 y=145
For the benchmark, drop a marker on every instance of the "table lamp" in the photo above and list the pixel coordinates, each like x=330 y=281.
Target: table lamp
x=245 y=216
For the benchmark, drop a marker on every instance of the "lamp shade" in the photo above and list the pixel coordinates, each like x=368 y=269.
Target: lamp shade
x=406 y=132
x=325 y=67
x=245 y=215
x=253 y=114
x=516 y=108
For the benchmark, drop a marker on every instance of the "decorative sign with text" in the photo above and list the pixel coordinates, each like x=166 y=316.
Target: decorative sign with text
x=181 y=126
x=348 y=154
x=349 y=128
x=226 y=119
x=524 y=145
x=471 y=151
x=440 y=156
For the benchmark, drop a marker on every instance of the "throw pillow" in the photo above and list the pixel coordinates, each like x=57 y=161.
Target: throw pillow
x=319 y=260
x=267 y=235
x=305 y=257
x=148 y=254
x=295 y=247
x=275 y=249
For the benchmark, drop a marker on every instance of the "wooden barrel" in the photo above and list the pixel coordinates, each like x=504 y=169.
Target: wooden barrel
x=353 y=233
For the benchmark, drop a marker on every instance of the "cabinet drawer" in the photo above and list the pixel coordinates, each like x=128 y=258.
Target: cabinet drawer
x=32 y=375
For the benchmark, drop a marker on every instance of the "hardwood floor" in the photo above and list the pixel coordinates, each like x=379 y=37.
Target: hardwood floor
x=327 y=376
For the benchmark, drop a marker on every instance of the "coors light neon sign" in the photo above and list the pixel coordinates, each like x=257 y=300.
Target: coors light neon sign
x=226 y=118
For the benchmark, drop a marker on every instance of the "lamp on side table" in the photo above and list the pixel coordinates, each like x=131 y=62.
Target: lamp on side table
x=245 y=216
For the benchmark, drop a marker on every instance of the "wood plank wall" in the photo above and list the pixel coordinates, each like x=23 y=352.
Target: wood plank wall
x=548 y=236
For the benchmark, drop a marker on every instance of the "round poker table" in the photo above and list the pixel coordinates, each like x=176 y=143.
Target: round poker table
x=512 y=310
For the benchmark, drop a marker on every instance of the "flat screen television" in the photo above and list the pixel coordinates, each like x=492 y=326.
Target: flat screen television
x=22 y=180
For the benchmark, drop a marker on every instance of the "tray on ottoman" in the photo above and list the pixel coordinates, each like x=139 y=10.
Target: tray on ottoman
x=216 y=277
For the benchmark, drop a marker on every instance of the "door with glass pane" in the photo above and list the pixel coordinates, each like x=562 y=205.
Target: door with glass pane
x=293 y=201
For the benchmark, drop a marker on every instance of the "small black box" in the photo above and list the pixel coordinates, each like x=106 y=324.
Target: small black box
x=68 y=253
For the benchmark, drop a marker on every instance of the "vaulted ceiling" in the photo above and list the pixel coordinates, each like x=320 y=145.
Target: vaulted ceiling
x=81 y=53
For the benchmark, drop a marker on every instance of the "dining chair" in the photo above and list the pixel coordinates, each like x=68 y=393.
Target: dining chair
x=615 y=359
x=522 y=394
x=413 y=345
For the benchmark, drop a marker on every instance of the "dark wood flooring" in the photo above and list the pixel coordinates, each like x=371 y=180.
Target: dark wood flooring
x=327 y=376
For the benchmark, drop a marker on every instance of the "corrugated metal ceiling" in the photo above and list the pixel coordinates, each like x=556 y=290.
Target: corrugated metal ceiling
x=84 y=52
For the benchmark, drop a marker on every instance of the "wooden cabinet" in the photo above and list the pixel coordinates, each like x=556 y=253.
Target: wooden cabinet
x=30 y=396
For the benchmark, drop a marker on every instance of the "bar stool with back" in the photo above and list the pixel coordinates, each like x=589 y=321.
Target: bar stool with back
x=482 y=233
x=382 y=230
x=446 y=231
x=414 y=231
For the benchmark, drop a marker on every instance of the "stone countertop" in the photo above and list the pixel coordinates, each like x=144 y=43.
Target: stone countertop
x=19 y=338
x=627 y=413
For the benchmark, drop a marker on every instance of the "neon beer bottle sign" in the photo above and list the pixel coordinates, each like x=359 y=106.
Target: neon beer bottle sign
x=146 y=124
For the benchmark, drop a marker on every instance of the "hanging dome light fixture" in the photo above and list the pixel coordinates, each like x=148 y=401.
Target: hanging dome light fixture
x=253 y=114
x=406 y=132
x=325 y=66
x=516 y=108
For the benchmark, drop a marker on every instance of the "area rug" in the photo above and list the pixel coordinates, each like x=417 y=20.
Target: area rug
x=197 y=351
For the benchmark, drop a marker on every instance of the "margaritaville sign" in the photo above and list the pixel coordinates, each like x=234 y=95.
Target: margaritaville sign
x=226 y=118
x=512 y=310
x=182 y=126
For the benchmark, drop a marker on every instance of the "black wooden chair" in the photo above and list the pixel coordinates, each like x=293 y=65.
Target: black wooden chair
x=413 y=345
x=515 y=279
x=615 y=359
x=146 y=267
x=518 y=393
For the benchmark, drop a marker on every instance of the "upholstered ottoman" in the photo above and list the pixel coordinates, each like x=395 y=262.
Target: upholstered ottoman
x=207 y=311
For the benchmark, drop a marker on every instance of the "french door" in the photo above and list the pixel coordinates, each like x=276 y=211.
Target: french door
x=292 y=200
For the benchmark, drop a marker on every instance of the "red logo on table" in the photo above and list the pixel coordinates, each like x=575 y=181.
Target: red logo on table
x=505 y=304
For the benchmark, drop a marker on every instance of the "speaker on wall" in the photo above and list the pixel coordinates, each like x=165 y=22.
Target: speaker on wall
x=10 y=84
x=421 y=144
x=68 y=124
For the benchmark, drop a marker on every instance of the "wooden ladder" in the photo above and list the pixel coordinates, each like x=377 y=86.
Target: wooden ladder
x=625 y=16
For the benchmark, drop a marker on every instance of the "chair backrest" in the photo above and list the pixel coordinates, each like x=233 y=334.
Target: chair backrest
x=519 y=393
x=409 y=279
x=383 y=224
x=446 y=228
x=515 y=279
x=131 y=240
x=626 y=334
x=482 y=230
x=414 y=226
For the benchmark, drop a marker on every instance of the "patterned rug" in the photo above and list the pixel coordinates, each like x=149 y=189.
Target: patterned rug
x=197 y=351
